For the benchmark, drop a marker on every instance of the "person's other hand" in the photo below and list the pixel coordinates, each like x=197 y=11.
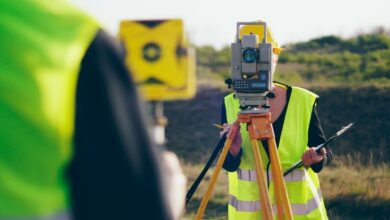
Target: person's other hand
x=225 y=129
x=176 y=183
x=237 y=140
x=311 y=156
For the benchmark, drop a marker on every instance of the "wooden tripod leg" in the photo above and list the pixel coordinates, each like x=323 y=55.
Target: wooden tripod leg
x=265 y=202
x=214 y=177
x=281 y=195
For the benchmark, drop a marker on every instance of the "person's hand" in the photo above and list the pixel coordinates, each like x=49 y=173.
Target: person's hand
x=311 y=156
x=237 y=140
x=176 y=183
x=225 y=129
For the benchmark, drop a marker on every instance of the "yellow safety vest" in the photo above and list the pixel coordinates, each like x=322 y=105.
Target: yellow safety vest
x=42 y=45
x=303 y=186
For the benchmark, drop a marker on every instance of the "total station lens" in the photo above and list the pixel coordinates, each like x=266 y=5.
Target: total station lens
x=249 y=55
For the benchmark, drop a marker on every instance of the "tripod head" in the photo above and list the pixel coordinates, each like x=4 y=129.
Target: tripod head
x=254 y=103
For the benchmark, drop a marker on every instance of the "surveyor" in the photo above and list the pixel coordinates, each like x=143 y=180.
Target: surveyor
x=297 y=130
x=73 y=139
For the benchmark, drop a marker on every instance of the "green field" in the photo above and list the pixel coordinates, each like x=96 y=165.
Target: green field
x=355 y=186
x=352 y=78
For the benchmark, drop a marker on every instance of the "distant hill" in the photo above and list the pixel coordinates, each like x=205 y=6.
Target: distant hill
x=352 y=78
x=190 y=132
x=363 y=59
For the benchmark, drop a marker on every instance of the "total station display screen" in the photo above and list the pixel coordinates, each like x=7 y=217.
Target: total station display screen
x=258 y=85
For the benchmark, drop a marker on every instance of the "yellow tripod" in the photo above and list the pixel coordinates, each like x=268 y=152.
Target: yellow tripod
x=259 y=127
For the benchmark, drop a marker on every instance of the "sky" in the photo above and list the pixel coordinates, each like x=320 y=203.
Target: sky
x=213 y=22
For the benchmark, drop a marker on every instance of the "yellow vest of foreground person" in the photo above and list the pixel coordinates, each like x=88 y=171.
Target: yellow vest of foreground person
x=42 y=45
x=303 y=186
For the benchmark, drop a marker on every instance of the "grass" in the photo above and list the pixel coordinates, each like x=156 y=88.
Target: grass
x=357 y=190
x=355 y=186
x=217 y=206
x=351 y=189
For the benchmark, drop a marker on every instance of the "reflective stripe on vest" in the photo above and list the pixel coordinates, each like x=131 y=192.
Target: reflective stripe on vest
x=297 y=209
x=250 y=175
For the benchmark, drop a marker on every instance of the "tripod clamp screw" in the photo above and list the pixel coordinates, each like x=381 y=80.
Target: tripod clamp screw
x=265 y=106
x=270 y=95
x=229 y=82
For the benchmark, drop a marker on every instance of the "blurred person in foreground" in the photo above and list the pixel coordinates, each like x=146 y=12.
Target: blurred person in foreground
x=297 y=130
x=73 y=139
